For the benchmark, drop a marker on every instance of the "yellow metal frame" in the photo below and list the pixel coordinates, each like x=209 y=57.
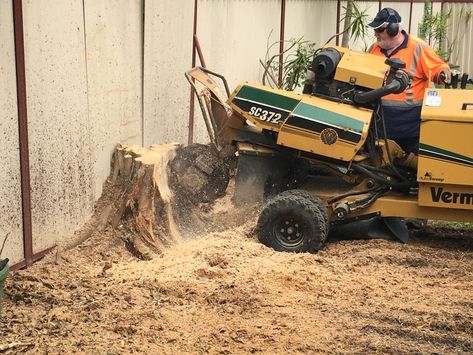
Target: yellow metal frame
x=445 y=171
x=257 y=122
x=407 y=206
x=360 y=68
x=393 y=205
x=308 y=141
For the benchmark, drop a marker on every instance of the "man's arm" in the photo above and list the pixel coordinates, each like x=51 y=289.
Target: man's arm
x=430 y=62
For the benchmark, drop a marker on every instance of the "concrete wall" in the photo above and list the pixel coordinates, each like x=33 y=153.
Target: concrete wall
x=84 y=85
x=10 y=198
x=418 y=9
x=59 y=127
x=114 y=51
x=234 y=36
x=316 y=21
x=167 y=55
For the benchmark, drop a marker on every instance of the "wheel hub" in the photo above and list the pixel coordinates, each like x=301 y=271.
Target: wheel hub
x=289 y=232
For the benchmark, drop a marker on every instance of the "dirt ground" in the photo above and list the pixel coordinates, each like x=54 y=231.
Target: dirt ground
x=224 y=292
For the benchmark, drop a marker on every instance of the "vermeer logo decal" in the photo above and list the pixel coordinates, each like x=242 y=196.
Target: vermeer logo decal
x=438 y=194
x=428 y=177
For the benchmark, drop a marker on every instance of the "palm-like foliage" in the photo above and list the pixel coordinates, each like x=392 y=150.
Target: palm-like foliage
x=355 y=23
x=298 y=55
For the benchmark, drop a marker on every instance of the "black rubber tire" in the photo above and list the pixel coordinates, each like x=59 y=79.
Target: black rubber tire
x=199 y=174
x=292 y=223
x=318 y=201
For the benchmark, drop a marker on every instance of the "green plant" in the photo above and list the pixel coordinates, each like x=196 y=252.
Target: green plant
x=426 y=22
x=434 y=28
x=3 y=244
x=297 y=62
x=298 y=55
x=299 y=52
x=4 y=270
x=355 y=23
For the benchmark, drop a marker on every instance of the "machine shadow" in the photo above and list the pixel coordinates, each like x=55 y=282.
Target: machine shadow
x=432 y=237
x=444 y=238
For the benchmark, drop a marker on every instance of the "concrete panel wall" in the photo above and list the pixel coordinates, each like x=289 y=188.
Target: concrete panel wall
x=167 y=55
x=316 y=21
x=403 y=9
x=114 y=53
x=234 y=37
x=10 y=198
x=417 y=13
x=59 y=127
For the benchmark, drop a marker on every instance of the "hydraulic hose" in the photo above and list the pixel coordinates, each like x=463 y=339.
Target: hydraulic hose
x=351 y=193
x=368 y=201
x=393 y=184
x=388 y=151
x=398 y=81
x=370 y=96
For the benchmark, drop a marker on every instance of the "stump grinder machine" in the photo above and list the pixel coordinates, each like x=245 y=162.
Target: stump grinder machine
x=319 y=161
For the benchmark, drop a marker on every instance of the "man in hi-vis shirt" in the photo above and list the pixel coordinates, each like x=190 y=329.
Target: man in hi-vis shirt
x=402 y=111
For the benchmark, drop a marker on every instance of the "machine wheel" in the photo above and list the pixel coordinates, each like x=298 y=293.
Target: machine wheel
x=315 y=199
x=292 y=223
x=199 y=174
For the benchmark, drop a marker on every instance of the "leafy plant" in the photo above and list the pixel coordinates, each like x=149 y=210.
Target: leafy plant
x=3 y=244
x=426 y=22
x=299 y=52
x=298 y=56
x=3 y=262
x=355 y=23
x=297 y=62
x=434 y=28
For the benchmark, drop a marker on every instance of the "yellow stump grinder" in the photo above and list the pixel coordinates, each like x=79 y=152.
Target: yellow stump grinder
x=319 y=161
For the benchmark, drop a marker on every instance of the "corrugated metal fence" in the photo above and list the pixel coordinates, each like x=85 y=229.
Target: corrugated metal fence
x=102 y=72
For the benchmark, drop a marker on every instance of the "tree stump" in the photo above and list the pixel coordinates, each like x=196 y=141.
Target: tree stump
x=139 y=182
x=156 y=189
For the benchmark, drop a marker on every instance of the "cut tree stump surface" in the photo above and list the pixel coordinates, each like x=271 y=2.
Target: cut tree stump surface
x=139 y=179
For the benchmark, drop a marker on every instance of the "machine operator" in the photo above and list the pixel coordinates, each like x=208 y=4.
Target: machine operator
x=402 y=111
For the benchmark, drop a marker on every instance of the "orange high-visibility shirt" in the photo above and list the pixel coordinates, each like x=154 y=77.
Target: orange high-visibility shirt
x=402 y=111
x=422 y=64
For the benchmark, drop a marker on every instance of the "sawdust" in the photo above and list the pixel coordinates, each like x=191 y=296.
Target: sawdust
x=223 y=292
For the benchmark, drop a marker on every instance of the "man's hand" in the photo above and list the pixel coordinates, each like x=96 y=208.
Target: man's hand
x=444 y=77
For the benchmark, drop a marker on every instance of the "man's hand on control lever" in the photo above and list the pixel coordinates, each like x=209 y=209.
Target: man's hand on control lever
x=444 y=77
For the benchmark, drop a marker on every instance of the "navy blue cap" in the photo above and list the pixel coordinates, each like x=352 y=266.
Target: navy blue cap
x=386 y=15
